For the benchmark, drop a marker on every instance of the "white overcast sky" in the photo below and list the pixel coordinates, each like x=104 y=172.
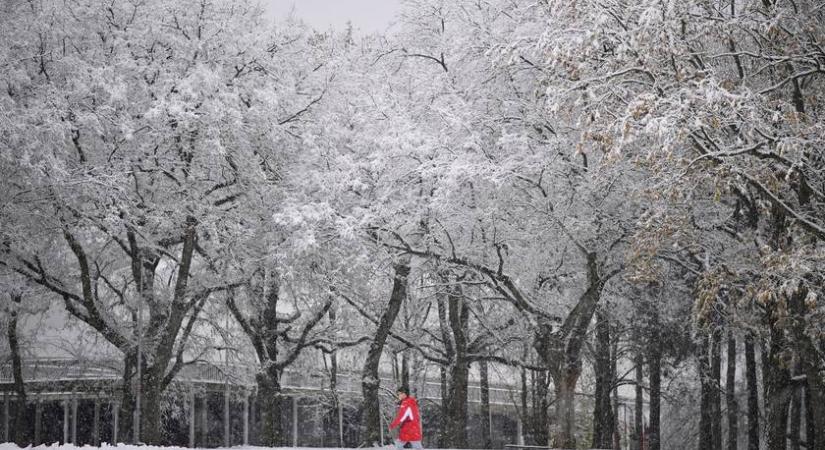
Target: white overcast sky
x=366 y=15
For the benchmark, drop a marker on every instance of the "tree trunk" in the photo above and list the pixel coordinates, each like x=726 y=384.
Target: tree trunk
x=17 y=373
x=810 y=364
x=815 y=396
x=442 y=435
x=164 y=328
x=541 y=406
x=151 y=411
x=795 y=419
x=268 y=337
x=777 y=392
x=716 y=387
x=525 y=416
x=561 y=353
x=614 y=375
x=810 y=427
x=271 y=403
x=655 y=366
x=405 y=370
x=638 y=422
x=127 y=400
x=603 y=410
x=446 y=337
x=564 y=435
x=705 y=400
x=730 y=395
x=456 y=427
x=753 y=394
x=162 y=331
x=333 y=388
x=486 y=426
x=371 y=408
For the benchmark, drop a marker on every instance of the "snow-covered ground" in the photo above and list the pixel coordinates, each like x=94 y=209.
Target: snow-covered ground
x=11 y=446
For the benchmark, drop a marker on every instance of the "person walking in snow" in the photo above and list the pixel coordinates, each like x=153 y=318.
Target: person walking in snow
x=408 y=419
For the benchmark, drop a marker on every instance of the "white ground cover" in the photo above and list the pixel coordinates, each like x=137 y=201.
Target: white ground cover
x=11 y=446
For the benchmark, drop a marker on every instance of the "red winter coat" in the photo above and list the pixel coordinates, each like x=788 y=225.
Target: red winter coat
x=409 y=419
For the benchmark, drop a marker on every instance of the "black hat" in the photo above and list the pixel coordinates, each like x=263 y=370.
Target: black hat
x=403 y=389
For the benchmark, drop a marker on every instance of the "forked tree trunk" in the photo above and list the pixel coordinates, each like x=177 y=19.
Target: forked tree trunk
x=371 y=408
x=165 y=331
x=264 y=329
x=561 y=353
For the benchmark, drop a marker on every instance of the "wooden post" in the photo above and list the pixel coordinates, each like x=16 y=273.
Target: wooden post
x=96 y=423
x=192 y=416
x=294 y=421
x=245 y=419
x=74 y=419
x=115 y=420
x=226 y=437
x=38 y=419
x=519 y=430
x=66 y=421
